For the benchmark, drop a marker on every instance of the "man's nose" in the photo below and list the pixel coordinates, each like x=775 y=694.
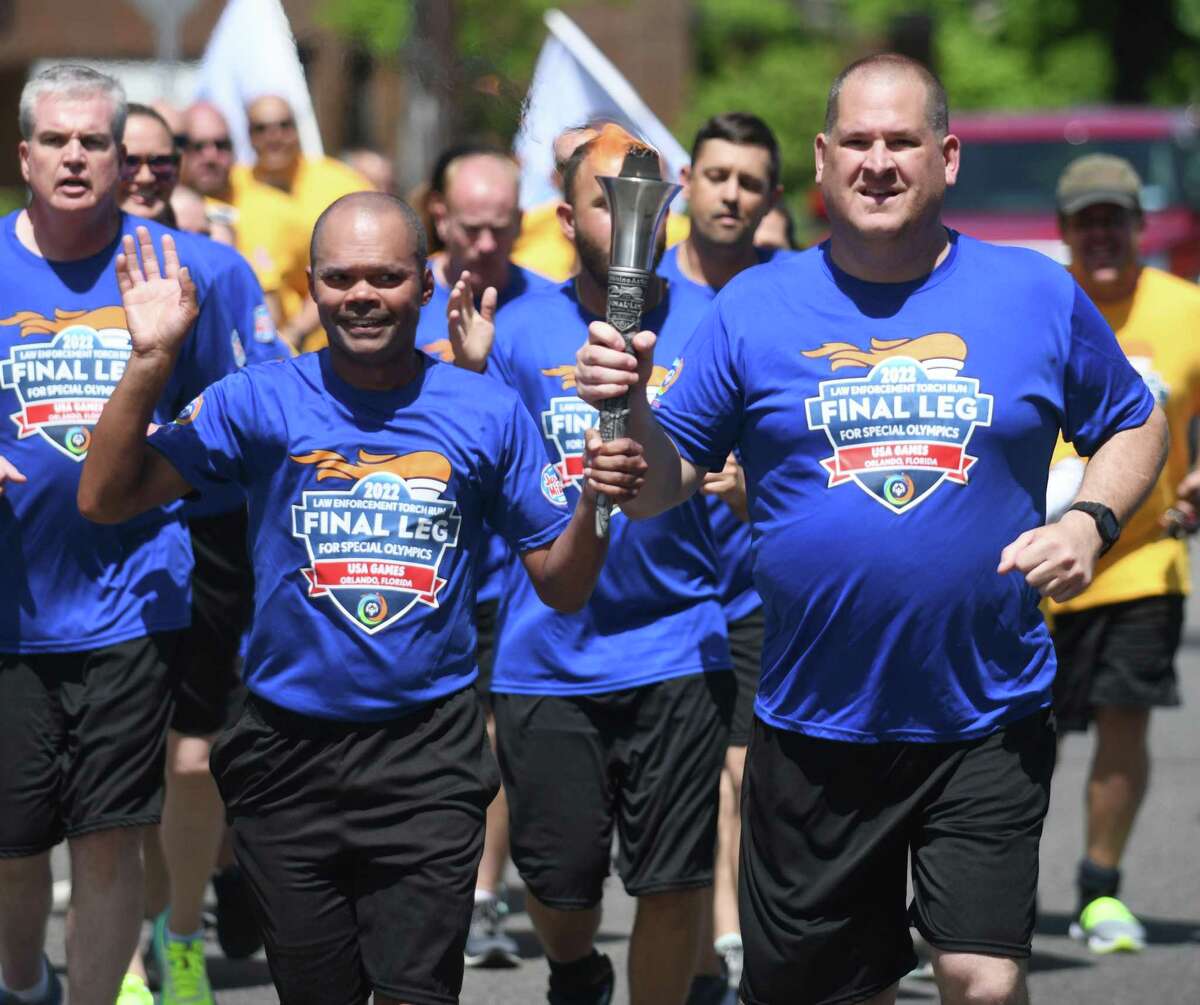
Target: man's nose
x=73 y=152
x=362 y=293
x=729 y=190
x=879 y=158
x=485 y=243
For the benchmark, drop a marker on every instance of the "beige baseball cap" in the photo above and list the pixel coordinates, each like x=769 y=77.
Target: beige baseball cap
x=1099 y=178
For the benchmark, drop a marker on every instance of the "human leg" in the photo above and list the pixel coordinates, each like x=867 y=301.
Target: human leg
x=25 y=885
x=975 y=862
x=662 y=946
x=554 y=761
x=1119 y=778
x=978 y=979
x=105 y=915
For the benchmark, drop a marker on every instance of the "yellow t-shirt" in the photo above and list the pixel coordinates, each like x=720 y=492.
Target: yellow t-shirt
x=541 y=246
x=1158 y=328
x=316 y=183
x=268 y=231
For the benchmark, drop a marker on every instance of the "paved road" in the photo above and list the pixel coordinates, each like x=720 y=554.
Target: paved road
x=1162 y=885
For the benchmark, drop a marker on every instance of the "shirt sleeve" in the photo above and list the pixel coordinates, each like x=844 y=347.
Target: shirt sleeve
x=528 y=507
x=1102 y=393
x=242 y=300
x=701 y=401
x=212 y=438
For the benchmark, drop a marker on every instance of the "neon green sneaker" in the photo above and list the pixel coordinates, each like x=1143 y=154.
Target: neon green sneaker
x=1108 y=926
x=134 y=992
x=181 y=964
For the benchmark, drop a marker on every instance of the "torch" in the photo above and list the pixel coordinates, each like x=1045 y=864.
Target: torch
x=637 y=203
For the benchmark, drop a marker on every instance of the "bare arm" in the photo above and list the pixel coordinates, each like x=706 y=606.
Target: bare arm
x=9 y=474
x=564 y=572
x=604 y=370
x=1059 y=559
x=122 y=476
x=729 y=485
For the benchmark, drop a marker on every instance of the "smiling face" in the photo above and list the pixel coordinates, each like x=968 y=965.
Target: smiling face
x=368 y=284
x=72 y=162
x=1103 y=241
x=273 y=134
x=882 y=169
x=729 y=191
x=151 y=169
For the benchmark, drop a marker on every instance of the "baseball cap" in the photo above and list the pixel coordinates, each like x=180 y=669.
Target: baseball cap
x=1099 y=178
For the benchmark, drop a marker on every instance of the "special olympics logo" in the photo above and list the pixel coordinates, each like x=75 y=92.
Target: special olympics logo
x=898 y=490
x=372 y=609
x=77 y=439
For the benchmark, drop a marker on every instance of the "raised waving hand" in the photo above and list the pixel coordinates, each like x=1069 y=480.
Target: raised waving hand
x=160 y=302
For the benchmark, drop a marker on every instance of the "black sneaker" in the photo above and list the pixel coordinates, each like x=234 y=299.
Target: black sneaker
x=600 y=993
x=709 y=989
x=237 y=929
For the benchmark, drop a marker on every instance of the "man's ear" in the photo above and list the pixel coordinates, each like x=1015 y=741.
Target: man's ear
x=685 y=179
x=566 y=220
x=308 y=274
x=426 y=286
x=23 y=154
x=820 y=144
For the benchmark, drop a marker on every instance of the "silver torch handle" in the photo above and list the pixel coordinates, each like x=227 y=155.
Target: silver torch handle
x=626 y=302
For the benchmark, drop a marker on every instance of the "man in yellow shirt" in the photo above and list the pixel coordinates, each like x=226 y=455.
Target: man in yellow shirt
x=1116 y=641
x=312 y=184
x=268 y=229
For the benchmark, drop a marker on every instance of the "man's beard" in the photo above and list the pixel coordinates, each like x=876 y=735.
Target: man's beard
x=594 y=259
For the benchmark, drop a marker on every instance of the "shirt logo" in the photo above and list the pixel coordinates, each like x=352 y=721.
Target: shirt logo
x=903 y=429
x=264 y=326
x=568 y=418
x=187 y=414
x=376 y=548
x=239 y=350
x=552 y=486
x=62 y=384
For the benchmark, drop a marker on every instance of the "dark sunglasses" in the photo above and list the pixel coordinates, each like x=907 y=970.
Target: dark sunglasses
x=261 y=127
x=161 y=165
x=195 y=146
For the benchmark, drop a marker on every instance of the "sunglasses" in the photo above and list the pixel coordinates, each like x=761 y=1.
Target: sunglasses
x=283 y=125
x=196 y=146
x=160 y=165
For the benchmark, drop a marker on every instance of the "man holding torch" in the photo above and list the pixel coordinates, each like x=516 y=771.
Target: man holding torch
x=618 y=715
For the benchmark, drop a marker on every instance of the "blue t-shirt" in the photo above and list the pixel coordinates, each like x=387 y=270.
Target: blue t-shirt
x=66 y=583
x=433 y=338
x=366 y=523
x=656 y=610
x=896 y=437
x=733 y=535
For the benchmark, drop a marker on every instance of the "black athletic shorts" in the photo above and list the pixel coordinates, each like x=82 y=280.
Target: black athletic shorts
x=360 y=843
x=1116 y=654
x=206 y=674
x=745 y=649
x=82 y=741
x=485 y=646
x=647 y=759
x=827 y=832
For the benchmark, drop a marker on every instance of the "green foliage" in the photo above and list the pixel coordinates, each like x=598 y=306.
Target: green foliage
x=380 y=26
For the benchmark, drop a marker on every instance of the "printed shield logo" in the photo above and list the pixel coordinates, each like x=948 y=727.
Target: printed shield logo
x=903 y=429
x=376 y=548
x=62 y=384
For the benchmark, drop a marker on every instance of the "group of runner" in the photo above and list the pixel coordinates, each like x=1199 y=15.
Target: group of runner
x=402 y=537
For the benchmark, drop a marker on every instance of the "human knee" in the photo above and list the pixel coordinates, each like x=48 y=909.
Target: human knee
x=105 y=856
x=675 y=908
x=973 y=979
x=188 y=759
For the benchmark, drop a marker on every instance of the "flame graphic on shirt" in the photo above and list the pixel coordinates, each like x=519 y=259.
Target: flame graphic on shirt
x=440 y=349
x=426 y=471
x=942 y=353
x=567 y=374
x=98 y=319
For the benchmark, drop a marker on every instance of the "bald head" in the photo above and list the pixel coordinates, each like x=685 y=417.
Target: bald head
x=489 y=174
x=275 y=139
x=478 y=217
x=887 y=67
x=208 y=153
x=386 y=220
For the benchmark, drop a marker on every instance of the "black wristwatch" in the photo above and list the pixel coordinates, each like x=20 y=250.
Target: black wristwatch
x=1106 y=522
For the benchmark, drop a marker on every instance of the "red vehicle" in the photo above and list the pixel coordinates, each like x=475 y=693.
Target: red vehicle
x=1011 y=164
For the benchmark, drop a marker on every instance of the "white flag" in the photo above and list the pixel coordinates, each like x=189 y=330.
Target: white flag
x=573 y=82
x=252 y=52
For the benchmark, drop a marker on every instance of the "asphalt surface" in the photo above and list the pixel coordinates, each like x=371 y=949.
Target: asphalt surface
x=1162 y=885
